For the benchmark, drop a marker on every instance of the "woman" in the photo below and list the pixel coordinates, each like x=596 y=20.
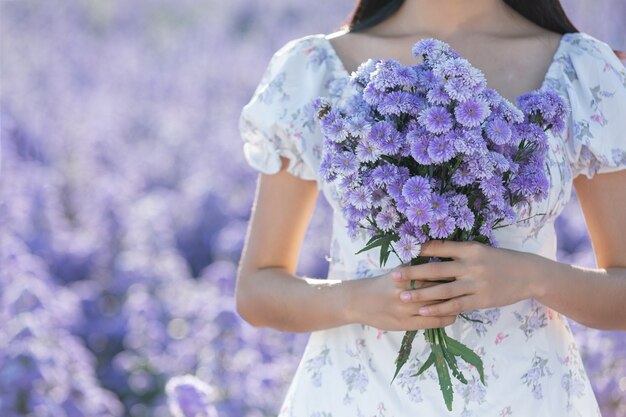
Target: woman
x=518 y=291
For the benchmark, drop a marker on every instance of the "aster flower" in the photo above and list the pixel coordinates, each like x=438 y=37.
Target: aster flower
x=458 y=89
x=366 y=151
x=357 y=126
x=429 y=46
x=440 y=206
x=498 y=131
x=472 y=112
x=407 y=247
x=440 y=149
x=416 y=188
x=438 y=95
x=387 y=218
x=436 y=119
x=333 y=127
x=345 y=163
x=419 y=212
x=384 y=174
x=464 y=218
x=362 y=74
x=372 y=95
x=492 y=187
x=361 y=197
x=392 y=74
x=441 y=228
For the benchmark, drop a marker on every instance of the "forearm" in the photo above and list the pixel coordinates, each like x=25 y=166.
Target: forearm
x=275 y=298
x=595 y=298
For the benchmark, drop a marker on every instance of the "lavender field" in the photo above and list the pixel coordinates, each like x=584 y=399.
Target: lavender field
x=125 y=199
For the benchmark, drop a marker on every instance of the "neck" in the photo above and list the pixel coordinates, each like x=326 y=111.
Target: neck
x=444 y=18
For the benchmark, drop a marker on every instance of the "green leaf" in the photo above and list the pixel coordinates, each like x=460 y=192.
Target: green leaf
x=388 y=159
x=373 y=238
x=445 y=384
x=453 y=365
x=376 y=243
x=384 y=250
x=405 y=351
x=429 y=361
x=459 y=349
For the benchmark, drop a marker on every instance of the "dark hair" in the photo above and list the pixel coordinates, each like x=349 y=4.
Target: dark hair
x=548 y=14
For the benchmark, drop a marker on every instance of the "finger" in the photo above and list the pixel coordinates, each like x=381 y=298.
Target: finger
x=454 y=305
x=445 y=248
x=421 y=322
x=431 y=271
x=438 y=292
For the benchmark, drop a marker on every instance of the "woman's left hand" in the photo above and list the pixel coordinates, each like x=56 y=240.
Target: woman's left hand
x=483 y=277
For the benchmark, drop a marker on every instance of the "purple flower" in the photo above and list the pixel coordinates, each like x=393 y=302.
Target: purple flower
x=385 y=136
x=366 y=151
x=384 y=174
x=464 y=218
x=426 y=78
x=416 y=188
x=440 y=150
x=436 y=119
x=458 y=89
x=418 y=140
x=372 y=95
x=360 y=197
x=472 y=112
x=363 y=72
x=333 y=126
x=544 y=106
x=345 y=163
x=463 y=176
x=419 y=212
x=492 y=187
x=395 y=189
x=439 y=206
x=407 y=247
x=396 y=103
x=498 y=131
x=428 y=46
x=454 y=67
x=438 y=95
x=390 y=74
x=387 y=218
x=441 y=228
x=357 y=126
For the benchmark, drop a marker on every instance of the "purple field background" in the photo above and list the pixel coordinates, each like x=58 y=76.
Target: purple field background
x=125 y=200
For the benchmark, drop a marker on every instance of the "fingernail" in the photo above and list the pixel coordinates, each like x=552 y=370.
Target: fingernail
x=423 y=311
x=405 y=296
x=396 y=275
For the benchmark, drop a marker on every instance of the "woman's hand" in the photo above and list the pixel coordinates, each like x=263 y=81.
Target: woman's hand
x=482 y=277
x=376 y=302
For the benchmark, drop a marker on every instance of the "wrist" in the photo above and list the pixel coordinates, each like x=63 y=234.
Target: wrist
x=350 y=290
x=536 y=273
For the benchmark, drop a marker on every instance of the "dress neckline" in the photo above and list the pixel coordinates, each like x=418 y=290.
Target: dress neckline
x=341 y=68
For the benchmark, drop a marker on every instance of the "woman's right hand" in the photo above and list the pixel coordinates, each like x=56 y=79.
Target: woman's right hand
x=376 y=302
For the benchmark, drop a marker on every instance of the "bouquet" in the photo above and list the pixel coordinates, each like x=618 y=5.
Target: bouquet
x=427 y=152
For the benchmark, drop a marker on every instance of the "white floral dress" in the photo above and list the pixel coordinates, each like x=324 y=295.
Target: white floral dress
x=532 y=364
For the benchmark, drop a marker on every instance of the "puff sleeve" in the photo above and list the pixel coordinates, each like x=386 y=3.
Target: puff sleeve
x=277 y=121
x=595 y=81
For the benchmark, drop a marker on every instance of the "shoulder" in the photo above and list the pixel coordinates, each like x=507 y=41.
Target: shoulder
x=587 y=54
x=311 y=52
x=585 y=63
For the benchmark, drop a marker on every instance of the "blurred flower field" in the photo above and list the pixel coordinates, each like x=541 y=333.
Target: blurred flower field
x=125 y=201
